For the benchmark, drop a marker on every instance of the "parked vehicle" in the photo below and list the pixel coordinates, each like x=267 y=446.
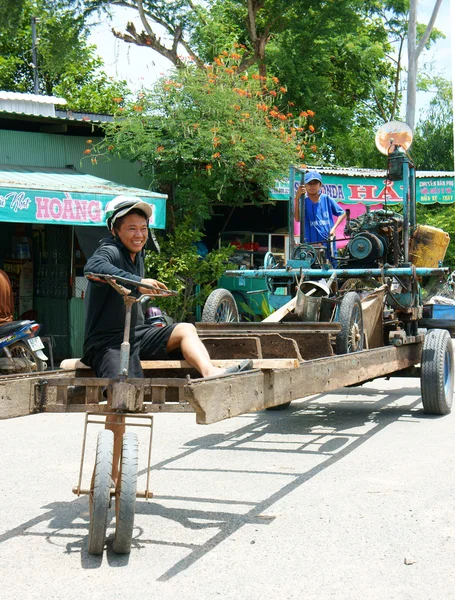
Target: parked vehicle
x=21 y=349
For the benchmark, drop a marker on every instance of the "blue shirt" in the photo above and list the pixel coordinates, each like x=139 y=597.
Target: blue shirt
x=319 y=218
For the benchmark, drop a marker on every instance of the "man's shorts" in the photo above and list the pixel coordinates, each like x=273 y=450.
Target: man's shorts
x=150 y=344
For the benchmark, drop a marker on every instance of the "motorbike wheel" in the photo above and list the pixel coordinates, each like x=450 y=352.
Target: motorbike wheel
x=21 y=350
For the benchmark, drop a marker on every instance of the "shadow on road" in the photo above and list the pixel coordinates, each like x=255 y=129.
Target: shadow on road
x=331 y=432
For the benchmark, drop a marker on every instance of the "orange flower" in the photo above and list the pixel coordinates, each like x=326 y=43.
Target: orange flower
x=110 y=147
x=88 y=151
x=275 y=80
x=241 y=164
x=236 y=107
x=311 y=113
x=260 y=157
x=303 y=114
x=89 y=142
x=246 y=115
x=283 y=89
x=224 y=53
x=137 y=108
x=208 y=167
x=289 y=115
x=160 y=148
x=256 y=77
x=311 y=128
x=218 y=62
x=216 y=141
x=93 y=161
x=244 y=77
x=196 y=125
x=229 y=71
x=117 y=100
x=314 y=147
x=273 y=93
x=216 y=155
x=235 y=56
x=291 y=103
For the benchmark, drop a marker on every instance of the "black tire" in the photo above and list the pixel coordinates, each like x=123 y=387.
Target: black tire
x=125 y=497
x=283 y=406
x=350 y=316
x=220 y=307
x=100 y=492
x=21 y=350
x=437 y=373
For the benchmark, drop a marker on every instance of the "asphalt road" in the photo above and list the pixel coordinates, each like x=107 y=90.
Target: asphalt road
x=348 y=495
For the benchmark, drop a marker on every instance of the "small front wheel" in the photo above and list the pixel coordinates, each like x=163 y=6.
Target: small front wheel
x=125 y=496
x=437 y=373
x=100 y=492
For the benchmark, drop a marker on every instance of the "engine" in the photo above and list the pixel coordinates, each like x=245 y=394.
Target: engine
x=376 y=239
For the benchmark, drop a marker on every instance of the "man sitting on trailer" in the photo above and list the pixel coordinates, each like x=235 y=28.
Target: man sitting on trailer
x=320 y=210
x=122 y=254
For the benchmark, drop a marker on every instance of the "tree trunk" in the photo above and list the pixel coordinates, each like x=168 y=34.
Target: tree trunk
x=413 y=56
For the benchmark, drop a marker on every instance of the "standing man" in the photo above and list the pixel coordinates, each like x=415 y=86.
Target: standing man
x=6 y=298
x=320 y=210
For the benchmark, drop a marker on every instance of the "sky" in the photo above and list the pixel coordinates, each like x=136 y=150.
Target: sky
x=141 y=67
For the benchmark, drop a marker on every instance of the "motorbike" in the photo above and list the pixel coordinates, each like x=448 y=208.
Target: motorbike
x=21 y=349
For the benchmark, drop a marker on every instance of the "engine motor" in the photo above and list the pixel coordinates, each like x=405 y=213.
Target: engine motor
x=376 y=239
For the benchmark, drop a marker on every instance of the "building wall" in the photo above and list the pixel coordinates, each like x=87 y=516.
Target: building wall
x=29 y=149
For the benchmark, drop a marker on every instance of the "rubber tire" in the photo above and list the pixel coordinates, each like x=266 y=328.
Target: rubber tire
x=213 y=304
x=125 y=498
x=350 y=306
x=39 y=364
x=100 y=492
x=437 y=373
x=279 y=406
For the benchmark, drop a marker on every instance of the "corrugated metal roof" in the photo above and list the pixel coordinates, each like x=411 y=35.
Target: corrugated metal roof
x=17 y=96
x=59 y=116
x=67 y=180
x=358 y=172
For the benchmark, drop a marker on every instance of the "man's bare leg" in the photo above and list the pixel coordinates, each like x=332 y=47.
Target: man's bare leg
x=185 y=337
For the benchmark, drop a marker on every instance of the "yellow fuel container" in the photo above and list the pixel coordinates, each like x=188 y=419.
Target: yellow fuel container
x=428 y=246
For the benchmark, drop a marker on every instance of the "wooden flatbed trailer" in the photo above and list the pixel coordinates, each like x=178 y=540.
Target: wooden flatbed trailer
x=280 y=375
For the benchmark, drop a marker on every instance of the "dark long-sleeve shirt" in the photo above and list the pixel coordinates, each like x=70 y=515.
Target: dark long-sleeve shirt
x=104 y=307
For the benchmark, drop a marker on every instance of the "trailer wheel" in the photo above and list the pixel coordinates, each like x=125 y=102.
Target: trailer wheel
x=350 y=317
x=100 y=492
x=125 y=495
x=220 y=307
x=437 y=373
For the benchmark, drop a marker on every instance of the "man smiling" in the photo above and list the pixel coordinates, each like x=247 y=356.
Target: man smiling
x=122 y=255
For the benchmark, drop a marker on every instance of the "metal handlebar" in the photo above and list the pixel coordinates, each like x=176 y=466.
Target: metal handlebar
x=112 y=279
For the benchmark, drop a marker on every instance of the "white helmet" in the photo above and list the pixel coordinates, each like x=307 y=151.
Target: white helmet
x=121 y=205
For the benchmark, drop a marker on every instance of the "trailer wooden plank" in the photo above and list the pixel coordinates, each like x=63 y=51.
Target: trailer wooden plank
x=218 y=399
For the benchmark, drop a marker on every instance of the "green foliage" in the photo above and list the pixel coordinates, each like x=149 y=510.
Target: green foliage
x=212 y=136
x=249 y=314
x=181 y=268
x=433 y=144
x=67 y=65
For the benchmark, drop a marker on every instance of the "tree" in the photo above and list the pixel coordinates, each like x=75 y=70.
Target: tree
x=433 y=146
x=414 y=51
x=68 y=66
x=212 y=135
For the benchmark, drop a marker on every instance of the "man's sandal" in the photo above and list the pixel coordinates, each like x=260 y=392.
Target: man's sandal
x=245 y=365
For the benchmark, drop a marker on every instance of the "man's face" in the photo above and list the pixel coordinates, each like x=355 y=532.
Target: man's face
x=313 y=186
x=133 y=233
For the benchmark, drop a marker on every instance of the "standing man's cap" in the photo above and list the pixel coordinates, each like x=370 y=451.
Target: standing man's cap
x=312 y=176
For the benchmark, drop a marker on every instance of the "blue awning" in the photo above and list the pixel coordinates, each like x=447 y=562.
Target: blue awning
x=65 y=196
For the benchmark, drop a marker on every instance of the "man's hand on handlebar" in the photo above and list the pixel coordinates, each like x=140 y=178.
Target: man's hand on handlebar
x=154 y=282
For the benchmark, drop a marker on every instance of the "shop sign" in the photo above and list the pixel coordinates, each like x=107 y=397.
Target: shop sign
x=374 y=190
x=64 y=208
